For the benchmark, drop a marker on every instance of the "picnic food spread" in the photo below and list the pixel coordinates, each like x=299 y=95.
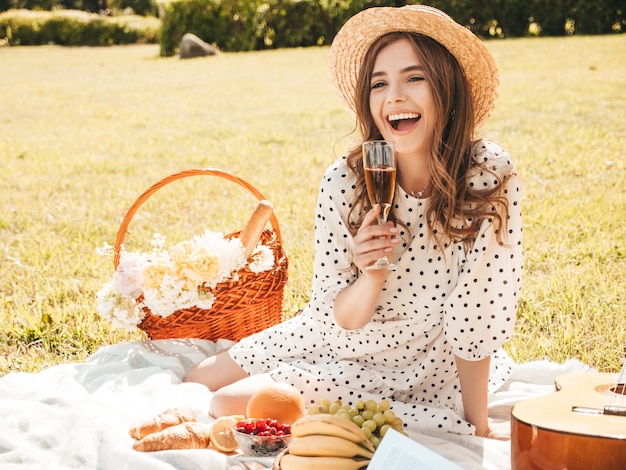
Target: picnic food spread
x=277 y=424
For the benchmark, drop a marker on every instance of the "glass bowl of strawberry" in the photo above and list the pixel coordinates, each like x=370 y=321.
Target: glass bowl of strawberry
x=262 y=437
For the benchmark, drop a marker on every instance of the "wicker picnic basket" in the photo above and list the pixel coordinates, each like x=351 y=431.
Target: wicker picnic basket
x=244 y=306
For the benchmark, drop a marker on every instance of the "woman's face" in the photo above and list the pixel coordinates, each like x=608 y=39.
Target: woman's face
x=401 y=100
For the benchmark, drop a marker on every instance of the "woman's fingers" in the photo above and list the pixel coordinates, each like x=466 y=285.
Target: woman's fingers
x=371 y=217
x=373 y=241
x=372 y=236
x=499 y=431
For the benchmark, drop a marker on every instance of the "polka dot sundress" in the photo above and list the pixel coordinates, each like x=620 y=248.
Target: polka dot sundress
x=437 y=304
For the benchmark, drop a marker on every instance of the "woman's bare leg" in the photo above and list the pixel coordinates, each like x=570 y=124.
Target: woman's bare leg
x=216 y=371
x=233 y=399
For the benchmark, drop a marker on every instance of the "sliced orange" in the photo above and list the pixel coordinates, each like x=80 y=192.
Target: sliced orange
x=222 y=434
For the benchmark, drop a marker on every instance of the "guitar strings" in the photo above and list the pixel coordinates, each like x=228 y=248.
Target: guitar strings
x=617 y=403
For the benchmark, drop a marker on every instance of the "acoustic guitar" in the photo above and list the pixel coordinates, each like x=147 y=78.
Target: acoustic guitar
x=581 y=426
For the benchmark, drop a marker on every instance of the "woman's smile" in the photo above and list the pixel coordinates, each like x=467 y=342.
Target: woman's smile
x=403 y=121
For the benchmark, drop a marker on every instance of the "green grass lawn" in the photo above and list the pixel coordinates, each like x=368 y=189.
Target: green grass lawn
x=84 y=131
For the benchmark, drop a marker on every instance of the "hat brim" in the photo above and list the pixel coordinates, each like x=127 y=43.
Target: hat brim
x=359 y=33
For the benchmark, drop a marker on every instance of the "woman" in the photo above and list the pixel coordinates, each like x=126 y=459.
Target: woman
x=427 y=335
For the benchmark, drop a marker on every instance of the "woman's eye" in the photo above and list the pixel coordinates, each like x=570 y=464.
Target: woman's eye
x=377 y=85
x=416 y=78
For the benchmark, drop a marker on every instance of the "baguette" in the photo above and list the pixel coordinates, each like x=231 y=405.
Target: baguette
x=188 y=435
x=251 y=233
x=168 y=418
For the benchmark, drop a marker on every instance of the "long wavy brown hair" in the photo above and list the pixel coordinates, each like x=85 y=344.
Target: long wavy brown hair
x=455 y=210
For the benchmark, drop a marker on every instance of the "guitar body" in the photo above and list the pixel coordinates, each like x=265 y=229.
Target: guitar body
x=547 y=435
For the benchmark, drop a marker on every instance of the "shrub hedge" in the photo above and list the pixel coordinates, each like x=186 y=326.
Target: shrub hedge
x=240 y=25
x=76 y=28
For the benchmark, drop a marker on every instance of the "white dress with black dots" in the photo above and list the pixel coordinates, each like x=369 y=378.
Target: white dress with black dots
x=437 y=304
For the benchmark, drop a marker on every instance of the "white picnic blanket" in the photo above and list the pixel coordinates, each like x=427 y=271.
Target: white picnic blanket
x=77 y=416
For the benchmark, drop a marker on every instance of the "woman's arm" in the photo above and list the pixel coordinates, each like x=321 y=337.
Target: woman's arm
x=355 y=305
x=474 y=379
x=339 y=278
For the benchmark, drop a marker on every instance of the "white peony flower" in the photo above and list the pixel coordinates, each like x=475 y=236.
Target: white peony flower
x=262 y=259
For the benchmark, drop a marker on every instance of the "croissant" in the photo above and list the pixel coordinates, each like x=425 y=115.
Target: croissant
x=168 y=418
x=188 y=435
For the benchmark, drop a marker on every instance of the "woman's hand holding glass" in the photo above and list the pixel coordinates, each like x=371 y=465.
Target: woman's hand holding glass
x=374 y=241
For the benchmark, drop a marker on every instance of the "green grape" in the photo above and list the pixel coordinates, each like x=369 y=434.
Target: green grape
x=370 y=424
x=379 y=419
x=397 y=424
x=371 y=405
x=390 y=416
x=324 y=403
x=334 y=408
x=345 y=415
x=384 y=405
x=358 y=420
x=375 y=419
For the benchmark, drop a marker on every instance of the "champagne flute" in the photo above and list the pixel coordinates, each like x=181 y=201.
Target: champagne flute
x=379 y=162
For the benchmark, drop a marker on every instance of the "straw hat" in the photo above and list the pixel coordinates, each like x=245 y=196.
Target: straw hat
x=359 y=32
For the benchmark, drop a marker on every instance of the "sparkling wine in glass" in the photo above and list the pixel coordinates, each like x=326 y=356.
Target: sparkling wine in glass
x=379 y=162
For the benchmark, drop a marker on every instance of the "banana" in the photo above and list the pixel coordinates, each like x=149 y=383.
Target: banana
x=318 y=445
x=298 y=462
x=330 y=425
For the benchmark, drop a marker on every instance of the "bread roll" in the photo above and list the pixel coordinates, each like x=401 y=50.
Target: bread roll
x=251 y=233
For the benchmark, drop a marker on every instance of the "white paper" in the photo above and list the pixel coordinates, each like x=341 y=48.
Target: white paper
x=398 y=452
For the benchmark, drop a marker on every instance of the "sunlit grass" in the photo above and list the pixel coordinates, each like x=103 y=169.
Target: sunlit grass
x=85 y=130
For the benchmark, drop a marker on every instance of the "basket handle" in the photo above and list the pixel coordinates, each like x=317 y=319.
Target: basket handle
x=121 y=233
